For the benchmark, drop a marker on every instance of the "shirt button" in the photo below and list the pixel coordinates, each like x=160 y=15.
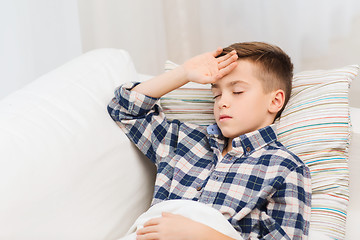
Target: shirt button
x=248 y=149
x=199 y=188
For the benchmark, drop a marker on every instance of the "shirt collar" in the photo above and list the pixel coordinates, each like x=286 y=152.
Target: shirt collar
x=249 y=142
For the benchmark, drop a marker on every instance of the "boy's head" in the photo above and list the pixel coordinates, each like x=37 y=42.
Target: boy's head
x=274 y=66
x=258 y=88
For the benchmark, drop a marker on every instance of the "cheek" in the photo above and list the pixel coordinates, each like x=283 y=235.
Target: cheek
x=253 y=105
x=215 y=110
x=260 y=104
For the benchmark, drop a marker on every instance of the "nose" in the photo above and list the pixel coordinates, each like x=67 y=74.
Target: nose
x=223 y=102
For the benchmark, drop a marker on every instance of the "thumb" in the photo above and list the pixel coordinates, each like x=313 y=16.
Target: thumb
x=167 y=214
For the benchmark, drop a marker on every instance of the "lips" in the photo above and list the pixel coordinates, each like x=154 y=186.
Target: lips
x=224 y=117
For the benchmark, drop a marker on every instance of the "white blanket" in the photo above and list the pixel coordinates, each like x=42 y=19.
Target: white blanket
x=194 y=210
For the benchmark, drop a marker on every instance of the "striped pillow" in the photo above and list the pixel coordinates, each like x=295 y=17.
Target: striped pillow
x=315 y=125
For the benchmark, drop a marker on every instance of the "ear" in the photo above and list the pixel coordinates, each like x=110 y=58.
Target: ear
x=277 y=101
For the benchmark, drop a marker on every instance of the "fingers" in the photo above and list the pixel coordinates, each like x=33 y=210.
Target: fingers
x=151 y=228
x=165 y=214
x=217 y=52
x=225 y=64
x=149 y=231
x=226 y=70
x=151 y=236
x=229 y=59
x=226 y=56
x=152 y=222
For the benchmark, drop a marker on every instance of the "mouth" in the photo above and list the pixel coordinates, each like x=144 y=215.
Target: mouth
x=224 y=117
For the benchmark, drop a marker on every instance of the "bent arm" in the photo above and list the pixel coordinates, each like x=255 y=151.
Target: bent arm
x=135 y=106
x=143 y=122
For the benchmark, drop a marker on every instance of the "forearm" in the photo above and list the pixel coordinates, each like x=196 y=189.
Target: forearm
x=160 y=85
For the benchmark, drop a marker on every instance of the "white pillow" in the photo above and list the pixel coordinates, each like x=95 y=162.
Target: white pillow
x=67 y=170
x=315 y=125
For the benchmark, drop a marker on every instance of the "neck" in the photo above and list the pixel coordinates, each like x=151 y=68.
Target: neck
x=227 y=147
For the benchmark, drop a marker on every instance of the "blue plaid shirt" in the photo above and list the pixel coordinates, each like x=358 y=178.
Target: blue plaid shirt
x=259 y=186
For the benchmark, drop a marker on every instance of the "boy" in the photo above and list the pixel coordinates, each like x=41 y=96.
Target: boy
x=236 y=166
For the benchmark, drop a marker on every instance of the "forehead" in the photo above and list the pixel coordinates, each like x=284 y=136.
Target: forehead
x=229 y=84
x=245 y=74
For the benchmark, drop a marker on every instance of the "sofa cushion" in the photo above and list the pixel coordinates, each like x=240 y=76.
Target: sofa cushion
x=67 y=170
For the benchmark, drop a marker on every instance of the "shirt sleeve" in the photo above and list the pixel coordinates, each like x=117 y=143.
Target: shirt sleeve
x=288 y=213
x=144 y=123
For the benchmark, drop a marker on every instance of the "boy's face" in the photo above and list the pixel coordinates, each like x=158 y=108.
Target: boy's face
x=241 y=105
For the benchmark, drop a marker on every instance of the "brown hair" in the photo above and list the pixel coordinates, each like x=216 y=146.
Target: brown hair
x=275 y=69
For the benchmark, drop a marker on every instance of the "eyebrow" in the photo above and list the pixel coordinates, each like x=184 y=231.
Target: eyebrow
x=232 y=83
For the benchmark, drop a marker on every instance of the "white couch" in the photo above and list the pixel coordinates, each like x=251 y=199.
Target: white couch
x=67 y=170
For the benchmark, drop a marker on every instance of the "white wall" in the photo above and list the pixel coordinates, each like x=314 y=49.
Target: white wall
x=137 y=26
x=341 y=52
x=36 y=36
x=316 y=34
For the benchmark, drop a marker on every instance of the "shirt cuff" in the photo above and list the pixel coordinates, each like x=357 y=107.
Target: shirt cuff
x=135 y=103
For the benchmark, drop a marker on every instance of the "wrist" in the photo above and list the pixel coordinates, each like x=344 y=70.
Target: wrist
x=182 y=74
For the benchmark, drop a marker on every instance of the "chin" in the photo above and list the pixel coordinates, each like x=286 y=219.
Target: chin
x=231 y=135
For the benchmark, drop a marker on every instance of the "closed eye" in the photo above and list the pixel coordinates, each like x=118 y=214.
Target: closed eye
x=237 y=93
x=216 y=96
